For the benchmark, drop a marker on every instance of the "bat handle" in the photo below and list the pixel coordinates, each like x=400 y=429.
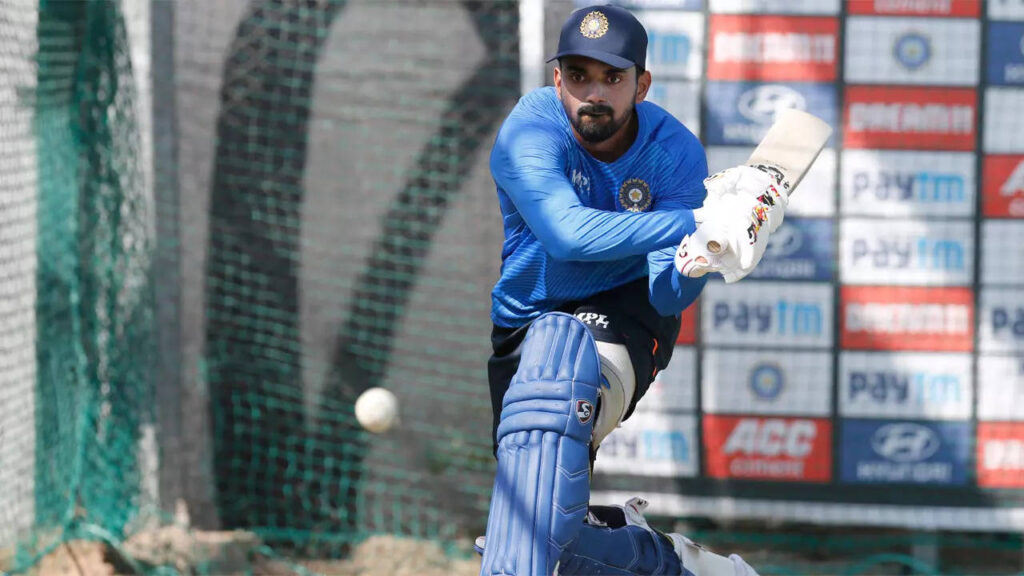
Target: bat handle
x=715 y=247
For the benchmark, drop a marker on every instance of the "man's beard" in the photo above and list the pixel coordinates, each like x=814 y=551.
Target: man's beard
x=595 y=128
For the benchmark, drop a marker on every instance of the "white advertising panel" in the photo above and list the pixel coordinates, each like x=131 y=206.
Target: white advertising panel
x=675 y=44
x=1002 y=254
x=1001 y=320
x=767 y=382
x=932 y=51
x=920 y=253
x=654 y=445
x=775 y=6
x=927 y=386
x=1001 y=388
x=1004 y=124
x=767 y=314
x=904 y=183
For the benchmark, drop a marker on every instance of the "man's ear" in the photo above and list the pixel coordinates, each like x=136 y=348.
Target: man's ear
x=558 y=80
x=643 y=84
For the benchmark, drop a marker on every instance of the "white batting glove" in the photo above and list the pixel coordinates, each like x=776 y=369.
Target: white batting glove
x=743 y=206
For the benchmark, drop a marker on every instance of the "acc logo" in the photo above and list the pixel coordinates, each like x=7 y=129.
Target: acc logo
x=635 y=195
x=766 y=381
x=584 y=411
x=905 y=442
x=594 y=25
x=762 y=103
x=912 y=50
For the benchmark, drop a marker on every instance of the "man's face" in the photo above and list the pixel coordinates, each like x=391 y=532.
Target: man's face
x=598 y=98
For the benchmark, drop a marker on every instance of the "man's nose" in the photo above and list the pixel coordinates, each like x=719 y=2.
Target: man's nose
x=596 y=93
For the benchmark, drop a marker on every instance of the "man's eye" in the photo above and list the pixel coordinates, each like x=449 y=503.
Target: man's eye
x=577 y=77
x=614 y=79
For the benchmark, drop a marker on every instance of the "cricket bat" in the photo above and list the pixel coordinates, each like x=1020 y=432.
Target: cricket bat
x=787 y=152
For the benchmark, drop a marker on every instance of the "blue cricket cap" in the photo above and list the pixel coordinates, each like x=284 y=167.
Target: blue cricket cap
x=606 y=33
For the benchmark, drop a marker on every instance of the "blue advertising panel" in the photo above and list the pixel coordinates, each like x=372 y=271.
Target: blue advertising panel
x=902 y=452
x=1006 y=53
x=738 y=113
x=801 y=249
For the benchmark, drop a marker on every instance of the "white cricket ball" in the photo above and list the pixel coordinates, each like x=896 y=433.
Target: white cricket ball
x=377 y=410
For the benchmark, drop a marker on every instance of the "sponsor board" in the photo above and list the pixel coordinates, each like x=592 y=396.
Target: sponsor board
x=912 y=51
x=962 y=8
x=688 y=324
x=1003 y=186
x=1000 y=387
x=921 y=252
x=749 y=447
x=767 y=382
x=646 y=4
x=773 y=48
x=656 y=444
x=1000 y=457
x=817 y=193
x=913 y=118
x=888 y=451
x=767 y=314
x=903 y=318
x=679 y=98
x=775 y=6
x=674 y=389
x=740 y=113
x=905 y=385
x=801 y=249
x=1004 y=124
x=1002 y=259
x=907 y=183
x=1006 y=9
x=1005 y=53
x=1001 y=320
x=675 y=44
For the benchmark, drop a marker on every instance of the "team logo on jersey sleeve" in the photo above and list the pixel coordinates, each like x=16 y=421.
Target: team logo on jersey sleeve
x=635 y=195
x=594 y=25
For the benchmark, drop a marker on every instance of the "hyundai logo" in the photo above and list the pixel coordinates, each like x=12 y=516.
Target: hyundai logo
x=905 y=442
x=760 y=104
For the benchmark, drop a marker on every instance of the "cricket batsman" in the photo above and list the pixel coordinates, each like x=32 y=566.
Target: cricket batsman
x=601 y=194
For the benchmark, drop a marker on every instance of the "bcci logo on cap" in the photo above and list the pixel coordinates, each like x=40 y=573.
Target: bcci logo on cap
x=594 y=25
x=635 y=195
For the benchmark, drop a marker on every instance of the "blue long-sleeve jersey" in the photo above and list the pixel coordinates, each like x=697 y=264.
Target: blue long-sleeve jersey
x=576 y=226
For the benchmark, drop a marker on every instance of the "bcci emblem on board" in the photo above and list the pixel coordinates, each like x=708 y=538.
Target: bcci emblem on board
x=635 y=195
x=594 y=25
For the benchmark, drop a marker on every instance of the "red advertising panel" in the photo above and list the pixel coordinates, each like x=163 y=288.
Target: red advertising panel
x=962 y=8
x=913 y=118
x=901 y=318
x=752 y=447
x=1000 y=454
x=1003 y=186
x=744 y=47
x=688 y=325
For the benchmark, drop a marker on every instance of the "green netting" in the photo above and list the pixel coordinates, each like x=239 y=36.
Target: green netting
x=220 y=221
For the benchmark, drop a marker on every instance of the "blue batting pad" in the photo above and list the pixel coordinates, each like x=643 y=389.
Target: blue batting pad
x=543 y=480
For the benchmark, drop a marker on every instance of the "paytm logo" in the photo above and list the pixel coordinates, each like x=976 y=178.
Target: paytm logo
x=922 y=187
x=1008 y=321
x=920 y=388
x=665 y=47
x=648 y=445
x=781 y=317
x=762 y=103
x=922 y=252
